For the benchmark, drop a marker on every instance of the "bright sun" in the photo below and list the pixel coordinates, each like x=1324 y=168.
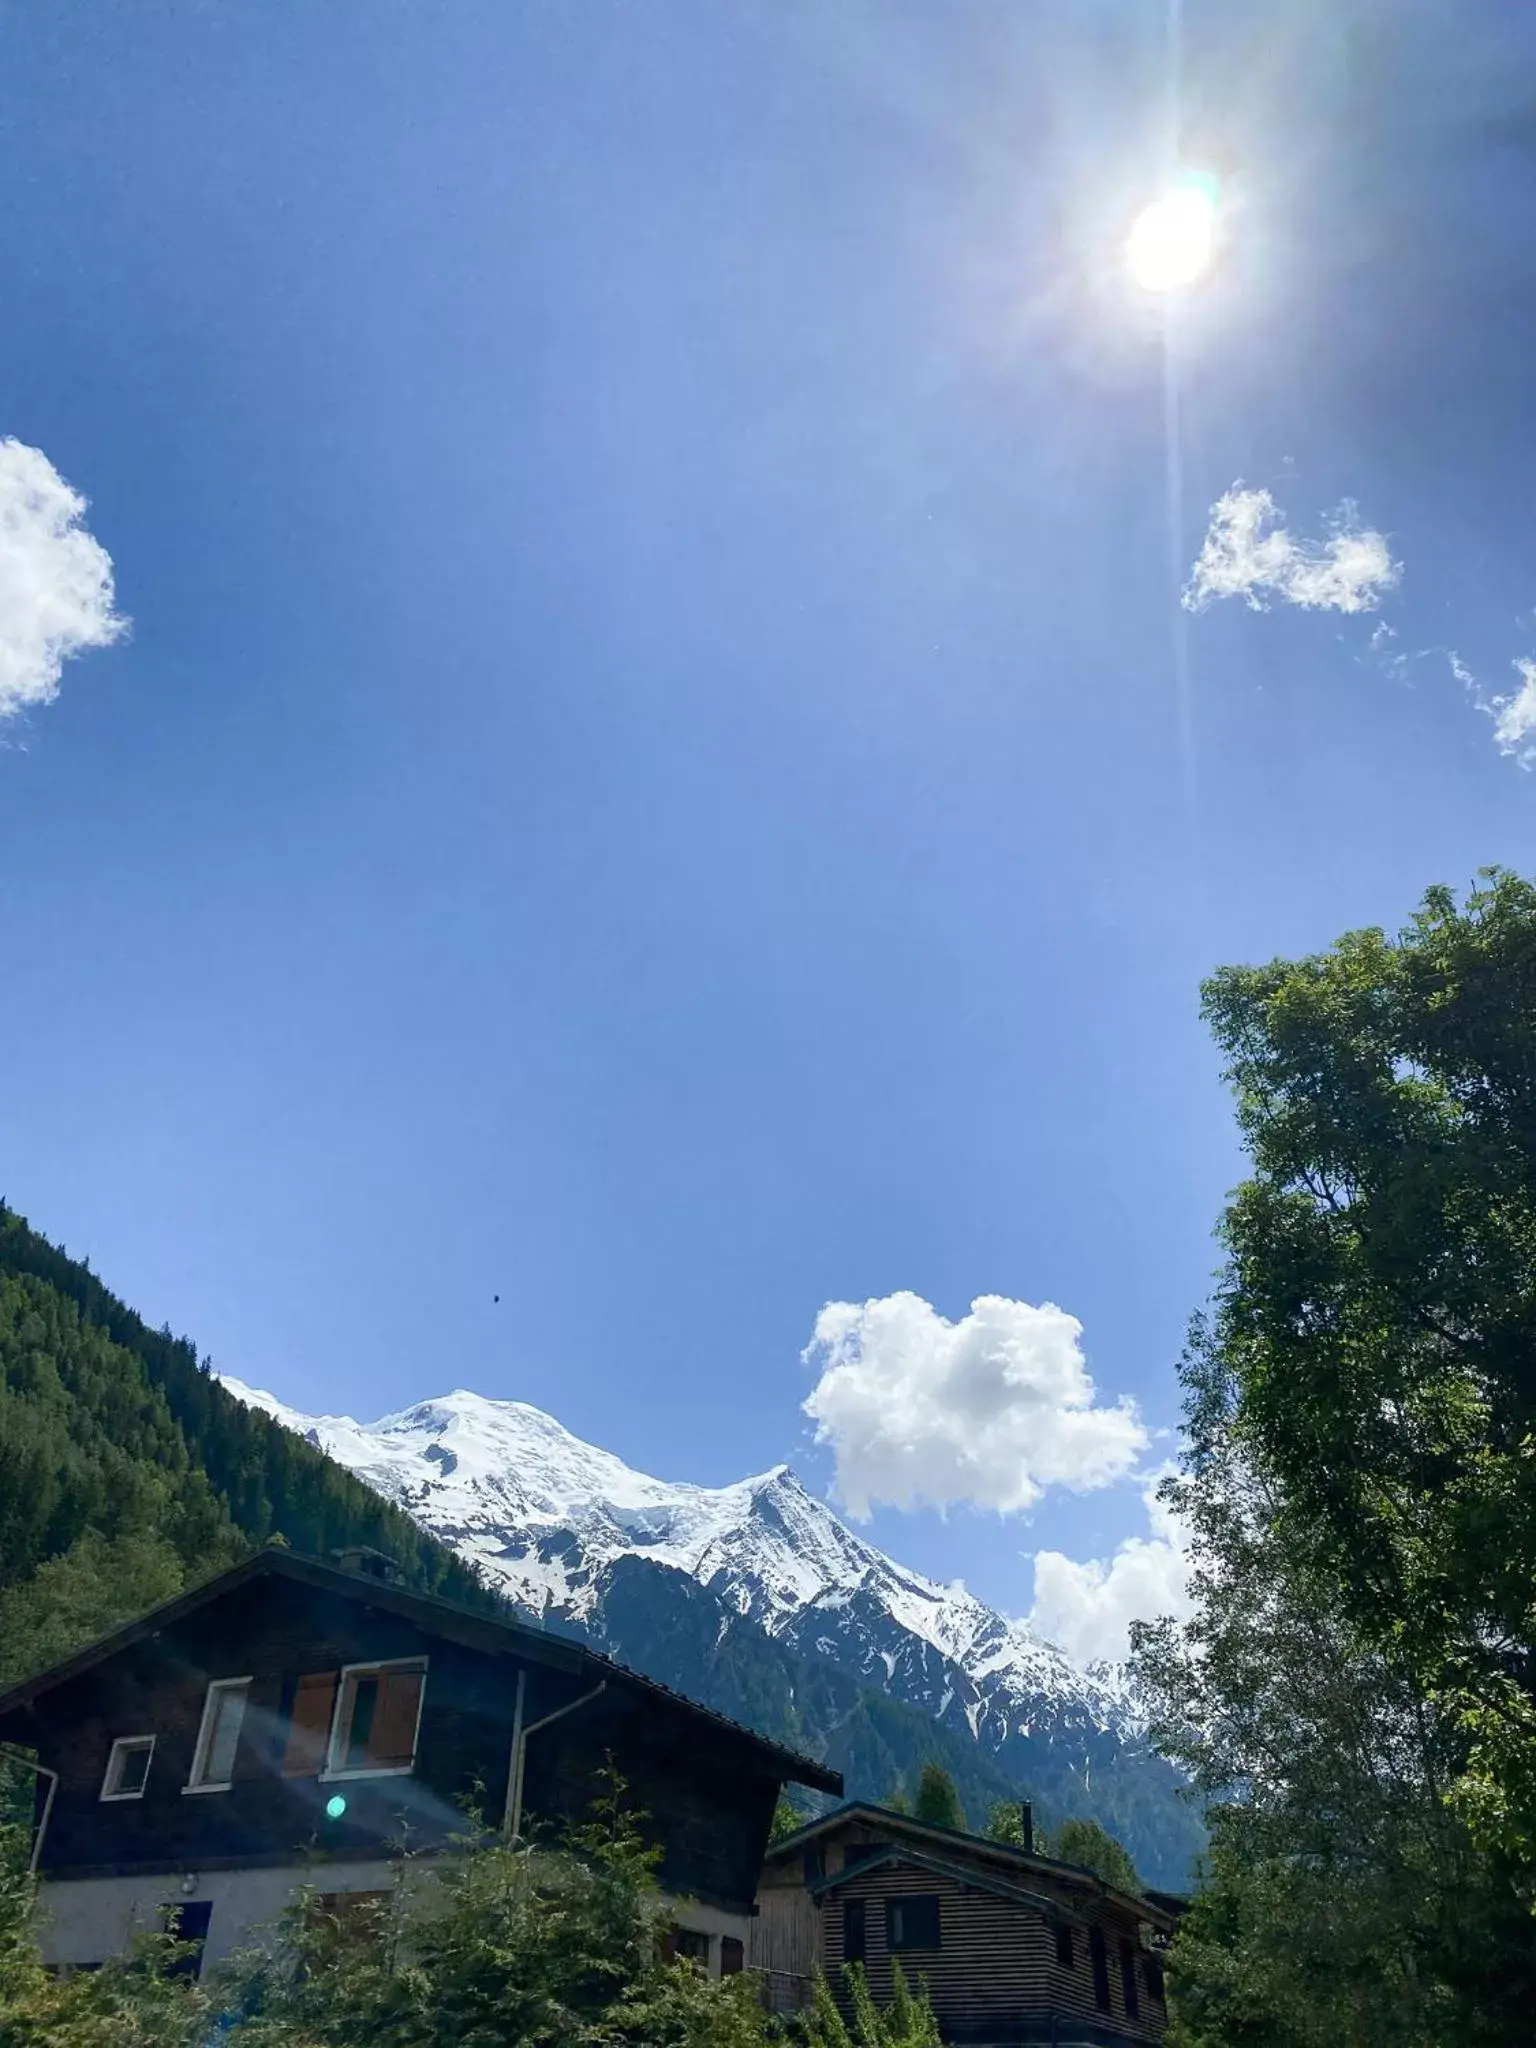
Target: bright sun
x=1173 y=240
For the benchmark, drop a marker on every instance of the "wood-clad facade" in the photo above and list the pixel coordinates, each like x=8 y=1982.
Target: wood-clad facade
x=290 y=1712
x=1014 y=1948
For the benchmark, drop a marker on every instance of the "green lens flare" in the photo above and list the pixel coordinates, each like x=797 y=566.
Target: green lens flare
x=335 y=1807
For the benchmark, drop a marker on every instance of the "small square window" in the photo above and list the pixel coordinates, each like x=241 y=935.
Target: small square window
x=128 y=1767
x=912 y=1922
x=377 y=1710
x=213 y=1761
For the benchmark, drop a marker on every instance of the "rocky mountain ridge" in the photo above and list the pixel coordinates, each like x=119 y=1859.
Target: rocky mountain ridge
x=562 y=1527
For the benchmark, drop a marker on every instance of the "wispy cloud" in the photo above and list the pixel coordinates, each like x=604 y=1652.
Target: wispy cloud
x=985 y=1411
x=56 y=597
x=1087 y=1608
x=1250 y=553
x=1514 y=716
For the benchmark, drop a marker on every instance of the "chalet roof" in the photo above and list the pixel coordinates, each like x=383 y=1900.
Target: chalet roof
x=444 y=1618
x=962 y=1873
x=923 y=1837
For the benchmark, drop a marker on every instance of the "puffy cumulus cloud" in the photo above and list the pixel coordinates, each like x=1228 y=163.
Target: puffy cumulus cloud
x=1087 y=1609
x=987 y=1411
x=55 y=579
x=1514 y=716
x=1250 y=553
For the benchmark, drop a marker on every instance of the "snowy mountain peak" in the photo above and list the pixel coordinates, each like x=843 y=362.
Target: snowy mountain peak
x=545 y=1514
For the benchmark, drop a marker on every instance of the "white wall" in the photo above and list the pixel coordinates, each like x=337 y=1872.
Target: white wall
x=87 y=1919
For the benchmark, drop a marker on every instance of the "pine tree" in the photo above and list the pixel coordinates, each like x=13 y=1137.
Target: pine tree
x=1092 y=1847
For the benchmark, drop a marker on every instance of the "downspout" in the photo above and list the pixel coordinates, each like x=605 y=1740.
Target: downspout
x=514 y=1753
x=42 y=1771
x=520 y=1754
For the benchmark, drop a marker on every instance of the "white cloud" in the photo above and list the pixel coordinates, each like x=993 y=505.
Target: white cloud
x=1250 y=553
x=55 y=579
x=1514 y=717
x=987 y=1411
x=1087 y=1609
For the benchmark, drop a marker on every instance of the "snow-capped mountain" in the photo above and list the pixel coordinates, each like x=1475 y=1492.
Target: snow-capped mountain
x=546 y=1516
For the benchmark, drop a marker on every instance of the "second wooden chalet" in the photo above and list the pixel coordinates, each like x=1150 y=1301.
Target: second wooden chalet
x=1014 y=1947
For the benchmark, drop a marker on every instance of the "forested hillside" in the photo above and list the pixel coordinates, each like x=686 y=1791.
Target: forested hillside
x=126 y=1469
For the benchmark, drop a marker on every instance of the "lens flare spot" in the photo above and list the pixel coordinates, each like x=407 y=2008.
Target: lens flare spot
x=335 y=1806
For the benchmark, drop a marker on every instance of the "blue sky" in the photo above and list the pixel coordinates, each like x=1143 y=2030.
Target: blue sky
x=648 y=774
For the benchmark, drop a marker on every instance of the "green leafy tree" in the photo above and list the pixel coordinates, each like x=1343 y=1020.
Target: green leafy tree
x=908 y=2022
x=1344 y=1899
x=1005 y=1823
x=133 y=2002
x=937 y=1801
x=1092 y=1847
x=96 y=1585
x=1378 y=1312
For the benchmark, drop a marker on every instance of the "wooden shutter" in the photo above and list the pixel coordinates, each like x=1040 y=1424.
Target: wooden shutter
x=392 y=1739
x=309 y=1730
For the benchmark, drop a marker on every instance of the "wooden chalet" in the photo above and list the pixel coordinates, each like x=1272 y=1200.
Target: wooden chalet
x=1014 y=1947
x=290 y=1723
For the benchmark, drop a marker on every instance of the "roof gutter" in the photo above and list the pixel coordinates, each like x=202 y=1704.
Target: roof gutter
x=16 y=1756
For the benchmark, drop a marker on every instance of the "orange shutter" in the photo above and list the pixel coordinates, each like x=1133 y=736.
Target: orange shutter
x=392 y=1738
x=309 y=1732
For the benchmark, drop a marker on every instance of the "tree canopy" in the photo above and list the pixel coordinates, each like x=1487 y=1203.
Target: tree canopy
x=1378 y=1313
x=937 y=1801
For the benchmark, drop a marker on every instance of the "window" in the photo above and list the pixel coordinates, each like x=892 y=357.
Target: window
x=694 y=1946
x=213 y=1761
x=309 y=1724
x=1098 y=1956
x=1128 y=1990
x=1063 y=1934
x=189 y=1923
x=912 y=1922
x=128 y=1767
x=853 y=1930
x=731 y=1956
x=1152 y=1972
x=377 y=1709
x=813 y=1865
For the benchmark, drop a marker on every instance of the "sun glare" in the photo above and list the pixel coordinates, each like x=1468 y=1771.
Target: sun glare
x=1172 y=241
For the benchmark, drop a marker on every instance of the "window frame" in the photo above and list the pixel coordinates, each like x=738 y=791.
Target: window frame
x=196 y=1782
x=121 y=1746
x=346 y=1694
x=1066 y=1953
x=895 y=1902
